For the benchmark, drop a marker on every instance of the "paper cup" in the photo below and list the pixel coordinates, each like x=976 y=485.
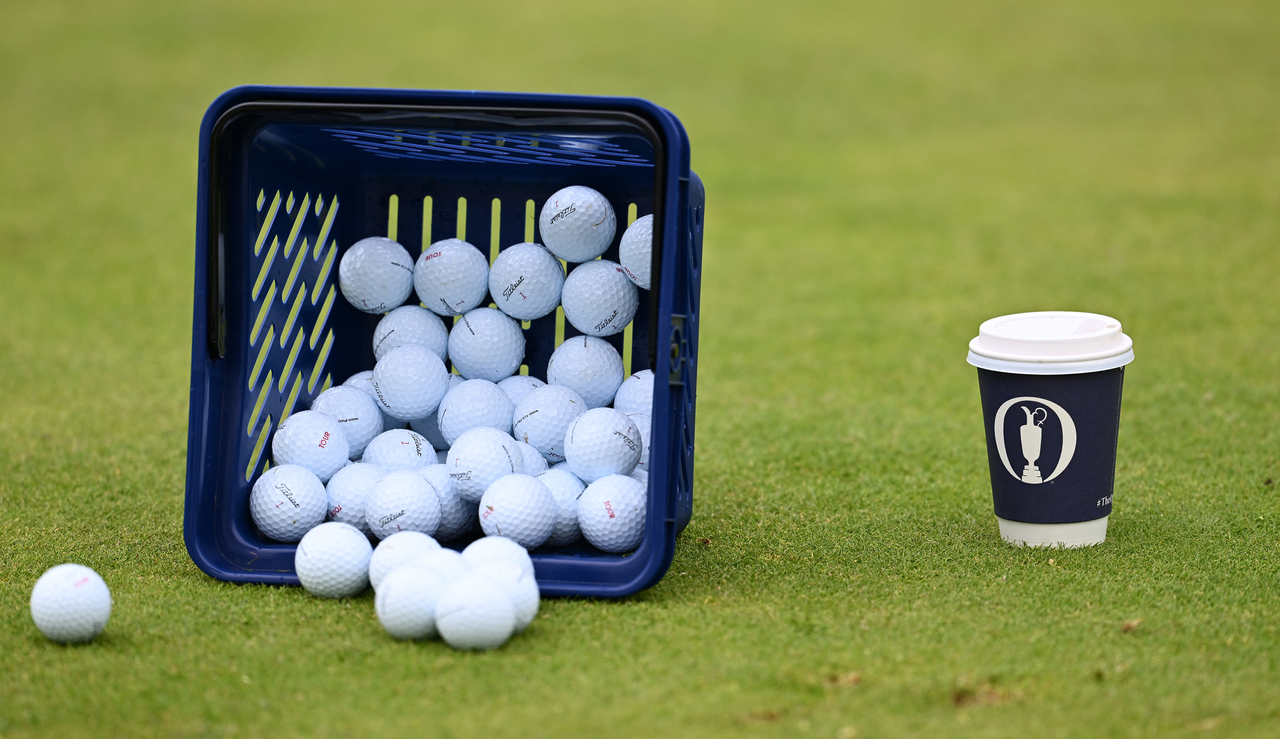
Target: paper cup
x=1051 y=384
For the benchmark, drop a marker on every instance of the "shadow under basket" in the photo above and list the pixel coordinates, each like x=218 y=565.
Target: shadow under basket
x=289 y=178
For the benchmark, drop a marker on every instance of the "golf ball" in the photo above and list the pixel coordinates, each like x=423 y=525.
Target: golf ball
x=451 y=277
x=475 y=612
x=497 y=549
x=70 y=603
x=598 y=298
x=636 y=251
x=411 y=324
x=406 y=602
x=348 y=491
x=287 y=501
x=399 y=449
x=447 y=563
x=577 y=224
x=602 y=442
x=473 y=404
x=519 y=508
x=396 y=550
x=525 y=281
x=521 y=587
x=611 y=513
x=312 y=440
x=644 y=427
x=456 y=516
x=589 y=366
x=479 y=457
x=375 y=275
x=566 y=488
x=357 y=415
x=518 y=386
x=543 y=417
x=534 y=463
x=430 y=426
x=363 y=381
x=402 y=501
x=635 y=395
x=332 y=560
x=486 y=345
x=409 y=381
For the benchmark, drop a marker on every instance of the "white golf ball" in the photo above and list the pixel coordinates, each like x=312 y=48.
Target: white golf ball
x=640 y=476
x=566 y=488
x=577 y=224
x=312 y=440
x=534 y=463
x=479 y=457
x=472 y=404
x=486 y=344
x=445 y=562
x=589 y=366
x=375 y=275
x=70 y=603
x=332 y=560
x=430 y=426
x=451 y=277
x=521 y=587
x=406 y=602
x=644 y=427
x=287 y=501
x=543 y=417
x=611 y=513
x=402 y=501
x=525 y=281
x=348 y=491
x=363 y=381
x=602 y=442
x=635 y=395
x=518 y=386
x=396 y=550
x=636 y=251
x=598 y=298
x=409 y=381
x=519 y=508
x=475 y=612
x=456 y=516
x=497 y=549
x=410 y=324
x=356 y=413
x=399 y=449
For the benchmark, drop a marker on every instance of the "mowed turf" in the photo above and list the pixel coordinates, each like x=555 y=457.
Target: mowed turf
x=880 y=180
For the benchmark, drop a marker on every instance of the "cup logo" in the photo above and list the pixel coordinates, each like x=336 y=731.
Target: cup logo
x=1031 y=437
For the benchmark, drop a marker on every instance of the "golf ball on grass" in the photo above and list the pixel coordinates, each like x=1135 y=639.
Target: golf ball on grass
x=518 y=386
x=70 y=603
x=635 y=395
x=411 y=324
x=589 y=366
x=486 y=345
x=475 y=612
x=396 y=550
x=611 y=513
x=399 y=449
x=479 y=457
x=636 y=251
x=402 y=501
x=447 y=563
x=497 y=549
x=287 y=501
x=357 y=415
x=566 y=488
x=375 y=275
x=521 y=587
x=451 y=277
x=312 y=440
x=348 y=491
x=577 y=223
x=525 y=281
x=520 y=508
x=409 y=381
x=332 y=560
x=602 y=442
x=473 y=404
x=543 y=416
x=406 y=602
x=598 y=298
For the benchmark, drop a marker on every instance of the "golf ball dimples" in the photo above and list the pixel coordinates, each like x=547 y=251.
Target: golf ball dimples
x=473 y=404
x=406 y=602
x=396 y=550
x=534 y=463
x=577 y=223
x=640 y=476
x=635 y=395
x=456 y=516
x=409 y=381
x=598 y=298
x=566 y=488
x=312 y=440
x=497 y=549
x=430 y=426
x=332 y=560
x=486 y=345
x=479 y=457
x=410 y=324
x=447 y=563
x=589 y=366
x=636 y=251
x=518 y=386
x=525 y=281
x=356 y=413
x=399 y=449
x=611 y=513
x=475 y=612
x=363 y=381
x=601 y=442
x=451 y=277
x=375 y=275
x=521 y=587
x=288 y=501
x=543 y=417
x=644 y=427
x=519 y=508
x=70 y=603
x=402 y=501
x=348 y=491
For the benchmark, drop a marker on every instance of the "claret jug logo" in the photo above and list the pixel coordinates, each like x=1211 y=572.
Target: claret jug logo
x=1032 y=437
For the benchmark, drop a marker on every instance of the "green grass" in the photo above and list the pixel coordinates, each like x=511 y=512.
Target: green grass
x=881 y=178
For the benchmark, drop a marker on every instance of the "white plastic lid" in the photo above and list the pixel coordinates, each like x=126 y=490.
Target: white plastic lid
x=1050 y=343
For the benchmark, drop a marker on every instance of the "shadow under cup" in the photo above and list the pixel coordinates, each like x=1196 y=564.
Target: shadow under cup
x=1051 y=385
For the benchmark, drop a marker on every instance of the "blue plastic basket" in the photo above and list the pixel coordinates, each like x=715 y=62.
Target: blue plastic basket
x=290 y=177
